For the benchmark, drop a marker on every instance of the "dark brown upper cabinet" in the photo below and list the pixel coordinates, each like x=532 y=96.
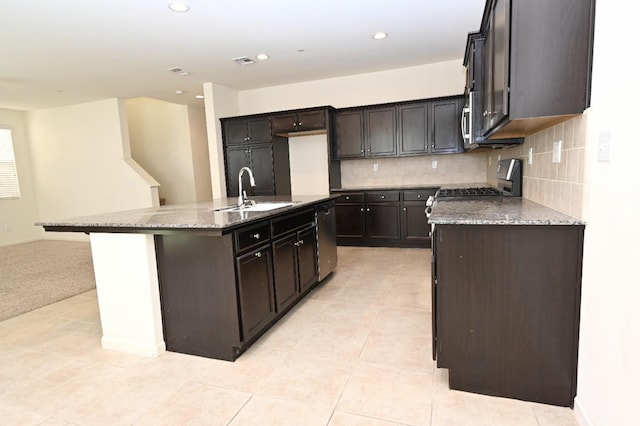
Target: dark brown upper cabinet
x=536 y=65
x=380 y=132
x=413 y=137
x=445 y=134
x=302 y=121
x=349 y=133
x=238 y=131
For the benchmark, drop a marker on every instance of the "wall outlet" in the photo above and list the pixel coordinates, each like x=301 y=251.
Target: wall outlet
x=375 y=167
x=530 y=156
x=434 y=164
x=556 y=156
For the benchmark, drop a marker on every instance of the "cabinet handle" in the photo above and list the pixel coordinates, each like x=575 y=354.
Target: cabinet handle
x=405 y=209
x=362 y=150
x=361 y=210
x=300 y=123
x=419 y=196
x=256 y=236
x=346 y=198
x=301 y=242
x=368 y=209
x=382 y=196
x=258 y=254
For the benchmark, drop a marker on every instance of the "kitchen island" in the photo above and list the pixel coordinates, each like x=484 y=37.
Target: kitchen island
x=204 y=278
x=506 y=298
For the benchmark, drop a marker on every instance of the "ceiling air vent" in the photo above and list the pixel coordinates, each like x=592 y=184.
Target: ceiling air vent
x=243 y=60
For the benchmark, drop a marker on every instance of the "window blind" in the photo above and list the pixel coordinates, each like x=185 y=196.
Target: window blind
x=9 y=187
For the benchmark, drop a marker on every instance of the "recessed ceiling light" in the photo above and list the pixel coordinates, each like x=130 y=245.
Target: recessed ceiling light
x=179 y=7
x=262 y=56
x=380 y=36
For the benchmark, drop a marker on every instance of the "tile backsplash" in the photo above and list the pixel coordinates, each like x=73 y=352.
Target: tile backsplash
x=409 y=171
x=556 y=185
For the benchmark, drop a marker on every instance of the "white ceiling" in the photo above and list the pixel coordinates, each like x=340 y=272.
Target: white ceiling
x=55 y=53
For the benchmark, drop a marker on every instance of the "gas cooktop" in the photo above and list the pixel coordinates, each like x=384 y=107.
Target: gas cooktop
x=469 y=192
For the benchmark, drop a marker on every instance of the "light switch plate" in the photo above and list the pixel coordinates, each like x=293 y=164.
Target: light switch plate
x=557 y=152
x=604 y=146
x=434 y=164
x=375 y=167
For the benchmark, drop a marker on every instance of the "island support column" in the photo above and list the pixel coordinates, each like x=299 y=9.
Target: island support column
x=128 y=292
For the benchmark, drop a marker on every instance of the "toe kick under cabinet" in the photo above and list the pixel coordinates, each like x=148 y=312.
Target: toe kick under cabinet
x=506 y=309
x=219 y=294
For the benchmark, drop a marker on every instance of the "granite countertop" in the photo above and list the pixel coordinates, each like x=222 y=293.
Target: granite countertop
x=384 y=188
x=498 y=211
x=201 y=216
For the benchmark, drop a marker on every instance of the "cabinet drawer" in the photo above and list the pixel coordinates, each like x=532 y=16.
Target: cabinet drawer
x=292 y=222
x=418 y=195
x=373 y=197
x=356 y=197
x=251 y=237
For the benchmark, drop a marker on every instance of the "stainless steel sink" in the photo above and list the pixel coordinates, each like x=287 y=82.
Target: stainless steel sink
x=258 y=207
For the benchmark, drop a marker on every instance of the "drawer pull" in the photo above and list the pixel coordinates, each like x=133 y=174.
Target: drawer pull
x=256 y=236
x=419 y=196
x=258 y=254
x=346 y=198
x=382 y=196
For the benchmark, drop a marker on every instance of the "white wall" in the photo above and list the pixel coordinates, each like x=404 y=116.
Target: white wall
x=608 y=367
x=17 y=217
x=81 y=162
x=425 y=81
x=309 y=165
x=167 y=141
x=219 y=101
x=200 y=153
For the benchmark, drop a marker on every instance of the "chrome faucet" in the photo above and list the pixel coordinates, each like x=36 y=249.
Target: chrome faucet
x=243 y=200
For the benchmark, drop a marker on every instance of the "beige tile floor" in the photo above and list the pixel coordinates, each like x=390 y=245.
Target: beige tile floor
x=356 y=351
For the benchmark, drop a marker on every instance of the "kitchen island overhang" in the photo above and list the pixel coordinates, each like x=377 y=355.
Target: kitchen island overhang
x=195 y=251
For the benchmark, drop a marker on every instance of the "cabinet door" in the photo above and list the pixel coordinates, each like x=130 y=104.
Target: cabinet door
x=349 y=134
x=307 y=258
x=235 y=132
x=255 y=286
x=380 y=125
x=311 y=120
x=262 y=166
x=237 y=157
x=445 y=133
x=412 y=129
x=350 y=220
x=496 y=65
x=284 y=123
x=500 y=73
x=383 y=221
x=285 y=272
x=414 y=222
x=259 y=130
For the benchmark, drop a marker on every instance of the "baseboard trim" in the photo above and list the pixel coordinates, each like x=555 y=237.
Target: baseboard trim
x=13 y=243
x=581 y=414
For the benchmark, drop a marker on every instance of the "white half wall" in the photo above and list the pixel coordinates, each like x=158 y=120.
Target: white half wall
x=82 y=164
x=17 y=217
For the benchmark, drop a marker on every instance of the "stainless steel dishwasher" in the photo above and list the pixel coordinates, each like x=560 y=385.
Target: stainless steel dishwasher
x=327 y=250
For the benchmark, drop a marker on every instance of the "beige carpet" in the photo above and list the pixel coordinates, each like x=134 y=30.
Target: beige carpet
x=36 y=274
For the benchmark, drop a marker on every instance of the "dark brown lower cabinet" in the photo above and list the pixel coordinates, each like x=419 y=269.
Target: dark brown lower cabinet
x=220 y=293
x=255 y=290
x=383 y=218
x=294 y=266
x=507 y=309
